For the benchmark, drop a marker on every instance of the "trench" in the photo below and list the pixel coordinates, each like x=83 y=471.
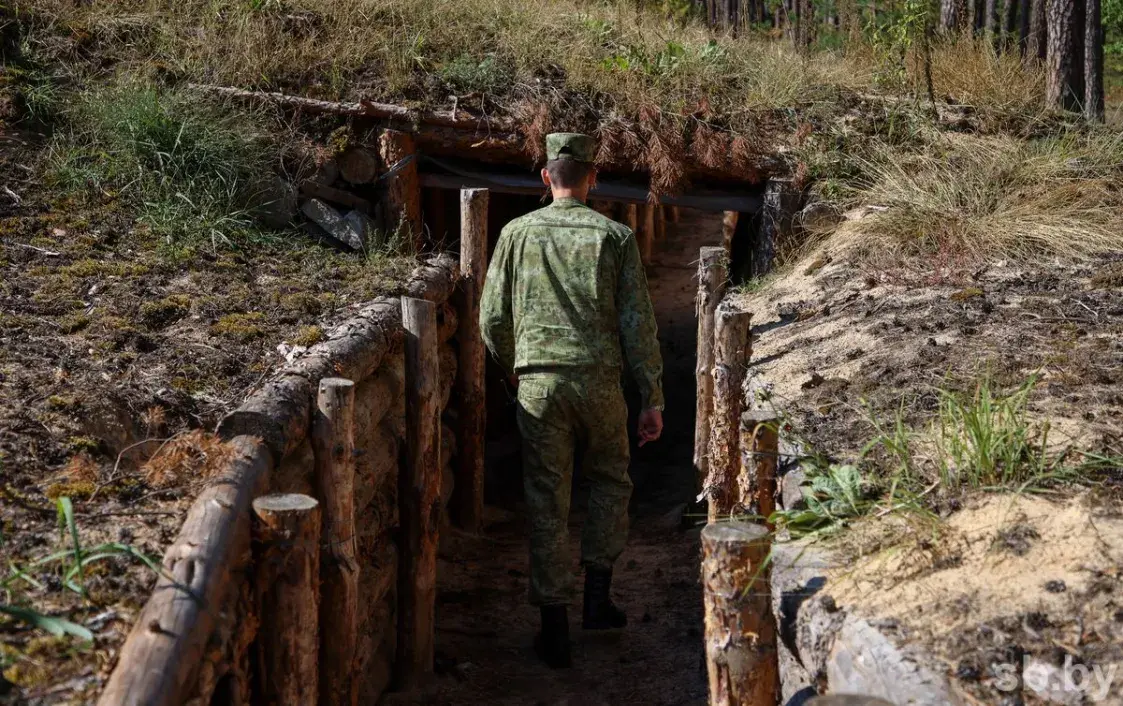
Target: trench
x=485 y=626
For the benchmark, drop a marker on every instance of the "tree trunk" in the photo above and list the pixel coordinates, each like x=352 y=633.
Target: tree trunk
x=1024 y=11
x=1064 y=87
x=712 y=276
x=333 y=441
x=1093 y=62
x=1037 y=40
x=419 y=496
x=731 y=353
x=741 y=656
x=947 y=14
x=964 y=20
x=471 y=405
x=287 y=584
x=990 y=18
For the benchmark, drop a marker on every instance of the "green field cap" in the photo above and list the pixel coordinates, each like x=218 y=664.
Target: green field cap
x=570 y=145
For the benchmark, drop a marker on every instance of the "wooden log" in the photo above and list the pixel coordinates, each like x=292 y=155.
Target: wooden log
x=781 y=201
x=339 y=196
x=376 y=466
x=660 y=223
x=471 y=420
x=435 y=280
x=631 y=218
x=740 y=631
x=403 y=190
x=712 y=277
x=728 y=228
x=647 y=233
x=676 y=214
x=287 y=584
x=760 y=452
x=419 y=496
x=731 y=353
x=448 y=362
x=333 y=441
x=448 y=322
x=159 y=662
x=358 y=165
x=278 y=413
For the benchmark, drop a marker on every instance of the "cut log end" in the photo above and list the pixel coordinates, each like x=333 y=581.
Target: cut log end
x=284 y=503
x=733 y=534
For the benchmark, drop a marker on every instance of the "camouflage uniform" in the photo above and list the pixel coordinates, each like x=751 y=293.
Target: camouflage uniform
x=564 y=306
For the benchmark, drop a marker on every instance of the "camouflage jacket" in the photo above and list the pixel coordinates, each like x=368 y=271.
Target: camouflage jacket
x=566 y=288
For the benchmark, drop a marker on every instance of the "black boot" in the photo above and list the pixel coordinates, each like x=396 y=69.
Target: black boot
x=552 y=644
x=600 y=612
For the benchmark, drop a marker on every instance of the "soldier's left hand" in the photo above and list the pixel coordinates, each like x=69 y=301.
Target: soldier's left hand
x=650 y=426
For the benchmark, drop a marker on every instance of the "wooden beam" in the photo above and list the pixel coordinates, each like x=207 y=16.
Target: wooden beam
x=403 y=189
x=647 y=233
x=419 y=496
x=468 y=498
x=159 y=663
x=287 y=588
x=333 y=443
x=740 y=631
x=731 y=353
x=660 y=223
x=760 y=452
x=712 y=277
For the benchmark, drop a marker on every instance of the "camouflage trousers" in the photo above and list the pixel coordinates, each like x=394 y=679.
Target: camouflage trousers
x=562 y=415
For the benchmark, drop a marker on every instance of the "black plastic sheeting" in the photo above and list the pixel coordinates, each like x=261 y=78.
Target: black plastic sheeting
x=462 y=177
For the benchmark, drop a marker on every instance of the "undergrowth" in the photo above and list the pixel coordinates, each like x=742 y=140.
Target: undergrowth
x=191 y=169
x=984 y=439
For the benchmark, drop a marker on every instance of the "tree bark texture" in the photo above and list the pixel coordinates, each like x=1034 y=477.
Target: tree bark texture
x=713 y=275
x=403 y=190
x=1064 y=85
x=333 y=441
x=1093 y=61
x=760 y=452
x=287 y=584
x=740 y=631
x=471 y=407
x=1037 y=40
x=731 y=354
x=419 y=496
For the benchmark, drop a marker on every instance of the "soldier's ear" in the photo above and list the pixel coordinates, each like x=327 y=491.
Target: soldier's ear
x=545 y=176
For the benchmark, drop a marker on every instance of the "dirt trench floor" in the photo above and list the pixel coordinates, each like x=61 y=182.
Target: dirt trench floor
x=486 y=627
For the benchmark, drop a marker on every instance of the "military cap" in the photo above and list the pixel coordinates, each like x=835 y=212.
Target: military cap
x=570 y=145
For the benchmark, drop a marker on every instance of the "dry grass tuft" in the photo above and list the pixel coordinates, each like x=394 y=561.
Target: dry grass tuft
x=994 y=197
x=81 y=469
x=195 y=455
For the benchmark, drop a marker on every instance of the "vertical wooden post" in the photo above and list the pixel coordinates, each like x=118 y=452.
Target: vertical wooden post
x=741 y=658
x=333 y=443
x=728 y=228
x=403 y=189
x=660 y=223
x=647 y=233
x=631 y=217
x=419 y=495
x=676 y=214
x=760 y=452
x=468 y=493
x=287 y=587
x=780 y=202
x=712 y=276
x=731 y=353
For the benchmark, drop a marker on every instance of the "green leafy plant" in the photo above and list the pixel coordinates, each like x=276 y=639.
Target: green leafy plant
x=835 y=494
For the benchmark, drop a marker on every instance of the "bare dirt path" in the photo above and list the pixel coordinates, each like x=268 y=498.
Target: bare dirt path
x=485 y=626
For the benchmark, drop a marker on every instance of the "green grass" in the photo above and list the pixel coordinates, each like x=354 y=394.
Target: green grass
x=984 y=438
x=191 y=169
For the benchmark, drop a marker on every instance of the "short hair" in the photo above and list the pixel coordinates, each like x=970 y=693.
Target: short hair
x=568 y=173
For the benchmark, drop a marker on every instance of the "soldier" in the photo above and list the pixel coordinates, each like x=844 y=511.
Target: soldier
x=565 y=306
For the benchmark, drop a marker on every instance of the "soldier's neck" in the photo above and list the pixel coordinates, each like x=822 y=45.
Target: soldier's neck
x=579 y=194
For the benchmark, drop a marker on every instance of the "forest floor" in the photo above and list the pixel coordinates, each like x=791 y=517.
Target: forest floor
x=486 y=626
x=118 y=358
